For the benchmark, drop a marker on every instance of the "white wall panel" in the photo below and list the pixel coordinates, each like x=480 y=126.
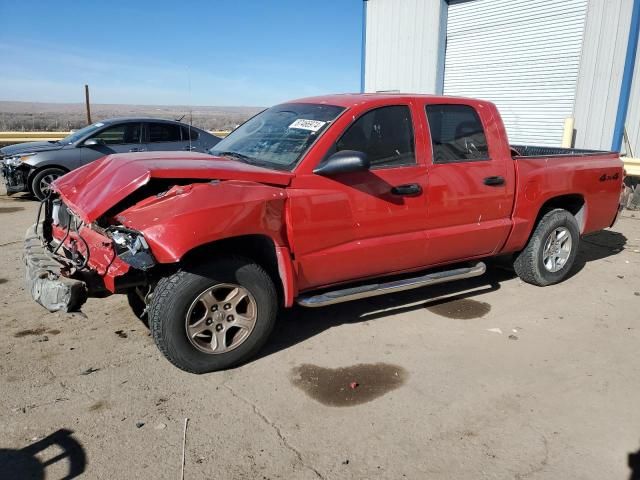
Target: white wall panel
x=402 y=45
x=524 y=55
x=604 y=50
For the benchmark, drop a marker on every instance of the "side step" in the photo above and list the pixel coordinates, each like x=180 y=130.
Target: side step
x=373 y=290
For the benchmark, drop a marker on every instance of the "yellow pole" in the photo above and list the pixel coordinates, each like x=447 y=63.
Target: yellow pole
x=567 y=135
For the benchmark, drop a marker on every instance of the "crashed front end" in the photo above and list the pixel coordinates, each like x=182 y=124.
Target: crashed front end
x=15 y=175
x=68 y=260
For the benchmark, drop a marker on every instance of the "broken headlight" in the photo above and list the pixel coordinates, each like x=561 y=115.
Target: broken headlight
x=132 y=248
x=17 y=160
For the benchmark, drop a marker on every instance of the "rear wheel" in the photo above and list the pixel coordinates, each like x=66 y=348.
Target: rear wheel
x=213 y=317
x=41 y=183
x=551 y=250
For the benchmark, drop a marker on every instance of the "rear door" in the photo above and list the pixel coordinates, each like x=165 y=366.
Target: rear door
x=165 y=136
x=363 y=224
x=468 y=198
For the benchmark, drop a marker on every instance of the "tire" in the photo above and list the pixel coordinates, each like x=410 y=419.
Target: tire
x=42 y=179
x=530 y=264
x=138 y=307
x=184 y=300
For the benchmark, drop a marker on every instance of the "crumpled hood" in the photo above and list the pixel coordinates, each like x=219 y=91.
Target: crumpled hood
x=28 y=147
x=93 y=189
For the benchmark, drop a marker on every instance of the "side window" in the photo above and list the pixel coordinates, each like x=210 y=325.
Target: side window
x=456 y=134
x=186 y=131
x=119 y=134
x=164 y=132
x=384 y=134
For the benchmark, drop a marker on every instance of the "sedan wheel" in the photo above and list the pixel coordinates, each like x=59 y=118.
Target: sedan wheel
x=41 y=183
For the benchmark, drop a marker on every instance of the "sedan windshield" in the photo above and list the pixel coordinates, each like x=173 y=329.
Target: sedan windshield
x=279 y=136
x=77 y=135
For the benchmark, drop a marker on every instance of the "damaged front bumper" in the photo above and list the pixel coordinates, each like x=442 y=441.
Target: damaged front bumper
x=68 y=262
x=46 y=280
x=15 y=177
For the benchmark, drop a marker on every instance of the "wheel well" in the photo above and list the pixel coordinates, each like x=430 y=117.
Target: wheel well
x=37 y=170
x=572 y=203
x=259 y=248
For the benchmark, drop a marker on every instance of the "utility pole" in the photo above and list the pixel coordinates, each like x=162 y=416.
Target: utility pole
x=86 y=100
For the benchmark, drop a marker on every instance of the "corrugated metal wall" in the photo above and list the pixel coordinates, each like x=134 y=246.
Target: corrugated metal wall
x=523 y=56
x=633 y=116
x=402 y=45
x=603 y=54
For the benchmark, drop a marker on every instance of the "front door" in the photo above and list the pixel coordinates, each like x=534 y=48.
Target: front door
x=469 y=197
x=120 y=138
x=362 y=224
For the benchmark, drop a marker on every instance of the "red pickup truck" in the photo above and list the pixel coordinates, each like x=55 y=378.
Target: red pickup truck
x=315 y=201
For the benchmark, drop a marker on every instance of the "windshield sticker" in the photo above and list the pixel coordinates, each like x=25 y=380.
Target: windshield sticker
x=303 y=124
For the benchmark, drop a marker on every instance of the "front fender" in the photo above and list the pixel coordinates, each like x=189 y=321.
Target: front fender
x=189 y=216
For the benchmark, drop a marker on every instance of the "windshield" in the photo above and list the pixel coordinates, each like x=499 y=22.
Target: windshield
x=277 y=137
x=77 y=135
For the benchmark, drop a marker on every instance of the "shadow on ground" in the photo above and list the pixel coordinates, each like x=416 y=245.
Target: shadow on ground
x=598 y=246
x=299 y=324
x=31 y=462
x=633 y=462
x=19 y=197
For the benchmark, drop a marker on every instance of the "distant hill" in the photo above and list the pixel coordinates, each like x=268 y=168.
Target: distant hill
x=33 y=116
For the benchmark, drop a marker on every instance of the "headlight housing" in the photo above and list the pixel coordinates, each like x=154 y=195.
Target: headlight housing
x=17 y=160
x=12 y=161
x=132 y=248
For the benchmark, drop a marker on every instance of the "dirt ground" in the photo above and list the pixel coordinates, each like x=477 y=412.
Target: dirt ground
x=483 y=379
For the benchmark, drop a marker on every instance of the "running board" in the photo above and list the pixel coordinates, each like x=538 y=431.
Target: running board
x=373 y=290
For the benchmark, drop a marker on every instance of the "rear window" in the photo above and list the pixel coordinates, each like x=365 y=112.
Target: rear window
x=457 y=134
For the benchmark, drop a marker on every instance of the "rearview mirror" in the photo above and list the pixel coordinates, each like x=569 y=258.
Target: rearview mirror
x=345 y=161
x=93 y=142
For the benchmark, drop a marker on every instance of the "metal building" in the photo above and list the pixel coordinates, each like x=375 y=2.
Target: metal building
x=541 y=61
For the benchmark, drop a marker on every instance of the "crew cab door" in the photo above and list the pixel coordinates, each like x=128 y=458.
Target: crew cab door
x=360 y=224
x=470 y=190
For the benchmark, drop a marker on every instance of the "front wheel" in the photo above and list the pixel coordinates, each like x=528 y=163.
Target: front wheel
x=551 y=250
x=213 y=317
x=41 y=183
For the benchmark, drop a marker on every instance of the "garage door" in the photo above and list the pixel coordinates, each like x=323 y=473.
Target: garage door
x=522 y=55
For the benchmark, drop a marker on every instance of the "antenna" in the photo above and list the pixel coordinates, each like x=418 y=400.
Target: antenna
x=190 y=106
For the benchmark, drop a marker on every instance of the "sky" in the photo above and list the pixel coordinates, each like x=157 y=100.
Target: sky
x=215 y=52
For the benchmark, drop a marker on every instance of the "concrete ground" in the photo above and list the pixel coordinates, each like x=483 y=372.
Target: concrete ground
x=485 y=379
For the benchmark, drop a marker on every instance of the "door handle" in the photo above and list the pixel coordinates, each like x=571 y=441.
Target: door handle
x=408 y=190
x=190 y=148
x=494 y=181
x=137 y=149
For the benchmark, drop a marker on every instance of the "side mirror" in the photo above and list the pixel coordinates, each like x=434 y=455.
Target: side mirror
x=93 y=142
x=345 y=161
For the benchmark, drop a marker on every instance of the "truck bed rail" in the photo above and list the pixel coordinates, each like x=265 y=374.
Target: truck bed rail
x=539 y=151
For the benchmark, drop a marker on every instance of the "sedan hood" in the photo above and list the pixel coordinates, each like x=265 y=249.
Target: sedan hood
x=28 y=147
x=95 y=188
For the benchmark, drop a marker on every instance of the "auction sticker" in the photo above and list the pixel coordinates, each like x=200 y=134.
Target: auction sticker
x=303 y=124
